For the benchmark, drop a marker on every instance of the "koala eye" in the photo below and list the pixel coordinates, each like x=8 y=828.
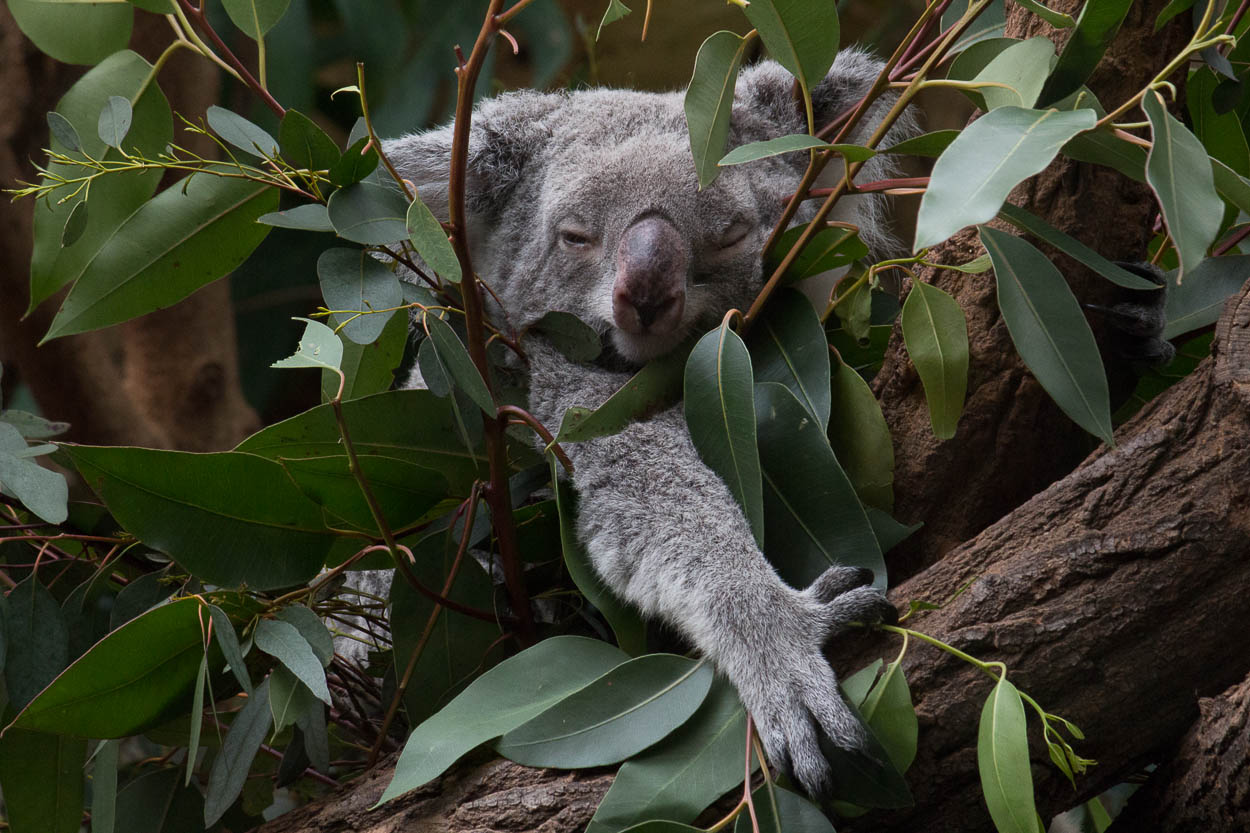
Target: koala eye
x=737 y=231
x=574 y=238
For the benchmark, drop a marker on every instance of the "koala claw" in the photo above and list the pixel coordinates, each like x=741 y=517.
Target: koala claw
x=795 y=702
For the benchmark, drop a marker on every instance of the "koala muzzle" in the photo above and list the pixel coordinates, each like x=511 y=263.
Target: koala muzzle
x=652 y=262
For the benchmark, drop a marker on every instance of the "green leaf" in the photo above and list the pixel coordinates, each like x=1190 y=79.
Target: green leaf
x=1102 y=147
x=789 y=347
x=232 y=764
x=1221 y=133
x=402 y=491
x=1057 y=19
x=227 y=518
x=614 y=12
x=157 y=802
x=197 y=718
x=140 y=596
x=829 y=248
x=242 y=133
x=114 y=197
x=33 y=427
x=720 y=411
x=1003 y=760
x=503 y=698
x=310 y=217
x=255 y=17
x=305 y=145
x=630 y=631
x=369 y=213
x=802 y=35
x=813 y=517
x=318 y=347
x=926 y=144
x=134 y=678
x=1199 y=301
x=1050 y=332
x=936 y=334
x=1178 y=171
x=38 y=641
x=228 y=642
x=857 y=686
x=360 y=290
x=1096 y=28
x=860 y=437
x=74 y=33
x=427 y=235
x=657 y=385
x=891 y=716
x=616 y=716
x=1078 y=251
x=709 y=101
x=115 y=121
x=104 y=787
x=1234 y=188
x=573 y=337
x=789 y=144
x=455 y=358
x=1170 y=11
x=677 y=778
x=971 y=180
x=855 y=312
x=193 y=233
x=990 y=24
x=410 y=425
x=289 y=699
x=1022 y=67
x=312 y=629
x=41 y=490
x=369 y=368
x=866 y=776
x=283 y=641
x=356 y=162
x=41 y=775
x=781 y=811
x=75 y=224
x=62 y=130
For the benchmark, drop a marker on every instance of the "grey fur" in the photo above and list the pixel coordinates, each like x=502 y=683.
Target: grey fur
x=662 y=529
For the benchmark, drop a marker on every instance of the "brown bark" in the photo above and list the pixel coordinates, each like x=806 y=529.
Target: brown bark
x=1204 y=785
x=1012 y=440
x=169 y=379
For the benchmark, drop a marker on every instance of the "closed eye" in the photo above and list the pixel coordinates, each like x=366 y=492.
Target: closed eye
x=574 y=238
x=736 y=233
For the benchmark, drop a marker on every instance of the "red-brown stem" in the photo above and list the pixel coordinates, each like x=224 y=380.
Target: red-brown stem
x=526 y=418
x=497 y=496
x=877 y=185
x=1233 y=240
x=196 y=15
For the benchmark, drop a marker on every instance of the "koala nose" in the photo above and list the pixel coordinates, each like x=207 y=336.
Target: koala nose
x=652 y=261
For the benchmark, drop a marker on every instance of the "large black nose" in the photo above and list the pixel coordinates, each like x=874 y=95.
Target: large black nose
x=652 y=261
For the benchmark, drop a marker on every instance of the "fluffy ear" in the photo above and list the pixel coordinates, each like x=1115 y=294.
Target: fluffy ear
x=507 y=132
x=767 y=103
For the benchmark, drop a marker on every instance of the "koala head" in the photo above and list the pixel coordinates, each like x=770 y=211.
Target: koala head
x=588 y=202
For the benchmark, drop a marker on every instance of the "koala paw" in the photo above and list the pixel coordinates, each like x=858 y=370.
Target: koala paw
x=793 y=694
x=1138 y=320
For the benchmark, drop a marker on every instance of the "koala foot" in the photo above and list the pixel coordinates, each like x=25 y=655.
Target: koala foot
x=792 y=693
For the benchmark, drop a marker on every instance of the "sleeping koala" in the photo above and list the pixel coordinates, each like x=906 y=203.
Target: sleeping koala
x=588 y=203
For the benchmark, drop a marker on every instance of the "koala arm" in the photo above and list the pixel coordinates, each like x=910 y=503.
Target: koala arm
x=666 y=534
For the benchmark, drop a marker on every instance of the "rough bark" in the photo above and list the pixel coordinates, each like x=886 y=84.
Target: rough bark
x=1012 y=440
x=1204 y=785
x=169 y=379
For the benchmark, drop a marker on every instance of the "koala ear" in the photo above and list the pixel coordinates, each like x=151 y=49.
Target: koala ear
x=507 y=132
x=767 y=104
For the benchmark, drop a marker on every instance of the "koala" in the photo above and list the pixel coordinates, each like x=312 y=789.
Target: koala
x=588 y=202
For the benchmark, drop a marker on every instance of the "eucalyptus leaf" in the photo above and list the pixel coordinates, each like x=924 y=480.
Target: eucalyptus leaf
x=936 y=334
x=926 y=144
x=972 y=178
x=1021 y=68
x=503 y=698
x=889 y=712
x=41 y=775
x=228 y=642
x=1178 y=171
x=1078 y=251
x=242 y=133
x=283 y=641
x=38 y=641
x=614 y=12
x=1050 y=332
x=115 y=121
x=75 y=224
x=1199 y=301
x=860 y=437
x=310 y=217
x=427 y=235
x=709 y=101
x=657 y=385
x=63 y=131
x=304 y=144
x=41 y=490
x=1096 y=28
x=1003 y=761
x=788 y=346
x=357 y=162
x=720 y=412
x=616 y=716
x=800 y=35
x=369 y=213
x=74 y=33
x=234 y=762
x=255 y=17
x=318 y=347
x=359 y=290
x=455 y=358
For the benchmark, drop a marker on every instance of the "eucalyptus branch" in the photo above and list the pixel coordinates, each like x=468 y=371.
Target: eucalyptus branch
x=524 y=417
x=497 y=495
x=1195 y=45
x=185 y=33
x=191 y=14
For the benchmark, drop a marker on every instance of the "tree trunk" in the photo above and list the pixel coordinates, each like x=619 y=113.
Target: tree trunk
x=169 y=379
x=1012 y=440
